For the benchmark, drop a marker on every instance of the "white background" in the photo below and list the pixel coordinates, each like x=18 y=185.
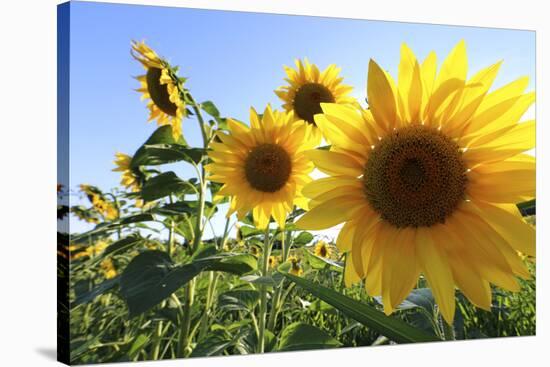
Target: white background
x=28 y=179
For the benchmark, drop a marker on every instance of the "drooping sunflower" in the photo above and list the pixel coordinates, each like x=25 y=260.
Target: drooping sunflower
x=161 y=86
x=99 y=202
x=128 y=178
x=322 y=249
x=426 y=181
x=308 y=87
x=262 y=167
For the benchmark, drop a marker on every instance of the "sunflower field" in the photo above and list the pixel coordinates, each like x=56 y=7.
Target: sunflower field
x=427 y=181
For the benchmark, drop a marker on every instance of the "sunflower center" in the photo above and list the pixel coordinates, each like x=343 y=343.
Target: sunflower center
x=308 y=99
x=415 y=177
x=268 y=167
x=323 y=251
x=159 y=92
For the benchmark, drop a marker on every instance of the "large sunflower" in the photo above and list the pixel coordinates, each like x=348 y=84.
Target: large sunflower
x=308 y=88
x=426 y=181
x=263 y=167
x=161 y=87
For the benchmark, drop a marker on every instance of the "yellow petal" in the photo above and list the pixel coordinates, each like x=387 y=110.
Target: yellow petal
x=330 y=213
x=435 y=267
x=350 y=275
x=463 y=266
x=455 y=66
x=381 y=97
x=506 y=186
x=400 y=270
x=507 y=220
x=333 y=163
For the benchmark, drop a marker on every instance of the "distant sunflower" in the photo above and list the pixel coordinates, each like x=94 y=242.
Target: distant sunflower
x=108 y=268
x=308 y=88
x=272 y=262
x=262 y=167
x=99 y=202
x=295 y=266
x=162 y=87
x=322 y=249
x=426 y=181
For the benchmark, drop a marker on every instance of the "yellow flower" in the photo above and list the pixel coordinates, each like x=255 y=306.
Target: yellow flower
x=108 y=268
x=100 y=204
x=129 y=179
x=309 y=87
x=161 y=87
x=254 y=250
x=263 y=167
x=273 y=262
x=85 y=215
x=322 y=249
x=426 y=181
x=295 y=266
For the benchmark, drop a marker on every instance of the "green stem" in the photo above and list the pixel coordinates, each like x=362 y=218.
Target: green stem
x=448 y=330
x=197 y=238
x=157 y=340
x=263 y=293
x=225 y=233
x=276 y=303
x=213 y=279
x=186 y=324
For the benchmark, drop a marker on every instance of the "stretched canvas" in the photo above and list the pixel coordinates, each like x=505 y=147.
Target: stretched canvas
x=243 y=183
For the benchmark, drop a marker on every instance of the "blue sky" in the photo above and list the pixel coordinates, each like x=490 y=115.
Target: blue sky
x=235 y=59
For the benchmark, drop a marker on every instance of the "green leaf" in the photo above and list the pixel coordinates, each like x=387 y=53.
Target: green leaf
x=260 y=280
x=420 y=297
x=96 y=291
x=239 y=300
x=235 y=264
x=210 y=108
x=247 y=231
x=122 y=245
x=137 y=345
x=300 y=336
x=303 y=239
x=163 y=185
x=395 y=329
x=138 y=218
x=151 y=276
x=249 y=344
x=157 y=154
x=105 y=228
x=528 y=207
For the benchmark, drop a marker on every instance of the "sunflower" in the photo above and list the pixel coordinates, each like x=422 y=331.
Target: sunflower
x=308 y=88
x=272 y=262
x=263 y=167
x=426 y=181
x=295 y=266
x=128 y=179
x=108 y=268
x=162 y=87
x=322 y=249
x=99 y=202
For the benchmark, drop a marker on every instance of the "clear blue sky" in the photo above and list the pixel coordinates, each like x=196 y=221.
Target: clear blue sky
x=235 y=59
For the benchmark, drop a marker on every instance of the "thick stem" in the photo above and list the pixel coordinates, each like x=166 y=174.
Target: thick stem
x=263 y=293
x=448 y=330
x=185 y=337
x=186 y=324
